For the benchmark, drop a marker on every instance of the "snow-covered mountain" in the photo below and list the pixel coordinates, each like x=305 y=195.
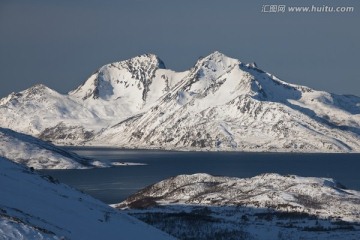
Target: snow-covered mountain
x=114 y=92
x=38 y=207
x=268 y=206
x=35 y=153
x=219 y=104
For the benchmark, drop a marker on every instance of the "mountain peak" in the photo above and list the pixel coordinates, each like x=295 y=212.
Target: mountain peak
x=148 y=58
x=109 y=80
x=217 y=56
x=216 y=53
x=39 y=86
x=37 y=90
x=216 y=60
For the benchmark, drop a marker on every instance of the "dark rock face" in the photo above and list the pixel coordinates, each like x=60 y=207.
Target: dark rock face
x=63 y=132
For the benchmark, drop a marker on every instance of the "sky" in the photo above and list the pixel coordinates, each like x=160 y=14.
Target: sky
x=60 y=43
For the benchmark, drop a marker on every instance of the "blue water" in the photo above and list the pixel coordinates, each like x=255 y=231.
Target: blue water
x=113 y=185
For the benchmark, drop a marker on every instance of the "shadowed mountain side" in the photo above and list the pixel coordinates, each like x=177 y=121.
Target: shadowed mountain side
x=242 y=222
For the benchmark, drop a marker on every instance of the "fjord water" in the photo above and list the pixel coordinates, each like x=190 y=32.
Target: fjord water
x=112 y=185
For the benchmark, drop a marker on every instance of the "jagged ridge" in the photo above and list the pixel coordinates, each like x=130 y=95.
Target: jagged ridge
x=219 y=104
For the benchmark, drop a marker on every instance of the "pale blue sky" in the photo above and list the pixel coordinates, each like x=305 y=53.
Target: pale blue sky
x=60 y=43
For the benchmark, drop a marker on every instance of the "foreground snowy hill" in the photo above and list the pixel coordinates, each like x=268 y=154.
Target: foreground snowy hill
x=33 y=152
x=268 y=206
x=219 y=104
x=35 y=207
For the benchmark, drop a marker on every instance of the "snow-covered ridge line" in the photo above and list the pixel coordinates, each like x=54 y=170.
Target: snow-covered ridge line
x=220 y=104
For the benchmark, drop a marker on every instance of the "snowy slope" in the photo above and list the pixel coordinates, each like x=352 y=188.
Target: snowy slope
x=35 y=207
x=219 y=104
x=262 y=207
x=33 y=152
x=34 y=110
